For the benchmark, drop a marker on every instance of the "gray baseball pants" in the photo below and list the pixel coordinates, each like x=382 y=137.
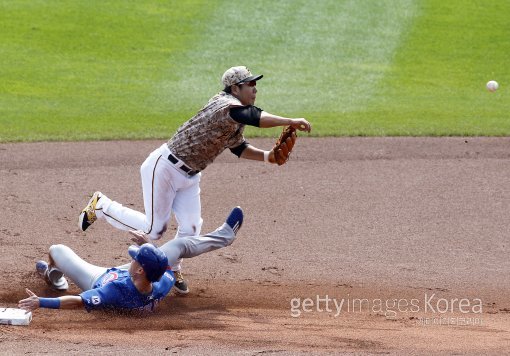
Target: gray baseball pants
x=85 y=275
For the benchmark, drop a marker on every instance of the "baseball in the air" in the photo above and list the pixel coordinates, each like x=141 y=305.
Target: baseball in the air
x=492 y=86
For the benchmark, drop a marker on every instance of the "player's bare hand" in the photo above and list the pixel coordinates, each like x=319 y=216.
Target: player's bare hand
x=30 y=303
x=301 y=124
x=139 y=237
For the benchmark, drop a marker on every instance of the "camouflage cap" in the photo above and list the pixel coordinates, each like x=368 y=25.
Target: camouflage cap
x=237 y=75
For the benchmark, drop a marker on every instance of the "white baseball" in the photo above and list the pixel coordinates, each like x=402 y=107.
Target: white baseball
x=492 y=86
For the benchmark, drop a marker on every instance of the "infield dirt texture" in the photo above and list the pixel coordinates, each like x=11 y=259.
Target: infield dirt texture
x=371 y=218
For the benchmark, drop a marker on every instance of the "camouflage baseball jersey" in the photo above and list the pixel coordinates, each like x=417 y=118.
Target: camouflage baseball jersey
x=207 y=134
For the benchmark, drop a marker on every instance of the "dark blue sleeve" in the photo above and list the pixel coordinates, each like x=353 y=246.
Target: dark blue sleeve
x=162 y=287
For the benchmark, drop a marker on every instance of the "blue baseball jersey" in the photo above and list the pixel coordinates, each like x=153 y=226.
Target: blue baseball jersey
x=115 y=290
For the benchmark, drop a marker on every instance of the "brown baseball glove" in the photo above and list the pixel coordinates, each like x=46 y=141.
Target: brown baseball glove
x=284 y=145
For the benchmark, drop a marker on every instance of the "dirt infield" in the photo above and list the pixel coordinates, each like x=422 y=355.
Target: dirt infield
x=423 y=221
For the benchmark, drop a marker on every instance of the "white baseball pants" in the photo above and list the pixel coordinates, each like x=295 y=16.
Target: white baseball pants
x=166 y=189
x=85 y=275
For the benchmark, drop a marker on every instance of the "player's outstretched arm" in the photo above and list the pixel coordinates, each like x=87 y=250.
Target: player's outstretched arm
x=33 y=302
x=257 y=154
x=271 y=120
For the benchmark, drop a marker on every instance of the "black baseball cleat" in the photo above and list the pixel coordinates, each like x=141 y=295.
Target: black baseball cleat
x=235 y=219
x=181 y=287
x=88 y=214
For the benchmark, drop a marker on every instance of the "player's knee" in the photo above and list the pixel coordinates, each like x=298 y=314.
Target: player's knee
x=154 y=236
x=58 y=250
x=160 y=231
x=155 y=231
x=191 y=228
x=55 y=249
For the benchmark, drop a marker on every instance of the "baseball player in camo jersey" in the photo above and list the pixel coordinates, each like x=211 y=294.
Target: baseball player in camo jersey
x=171 y=174
x=139 y=285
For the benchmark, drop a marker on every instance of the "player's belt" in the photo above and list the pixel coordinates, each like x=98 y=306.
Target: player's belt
x=183 y=167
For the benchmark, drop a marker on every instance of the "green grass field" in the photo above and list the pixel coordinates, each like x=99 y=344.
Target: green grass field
x=74 y=70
